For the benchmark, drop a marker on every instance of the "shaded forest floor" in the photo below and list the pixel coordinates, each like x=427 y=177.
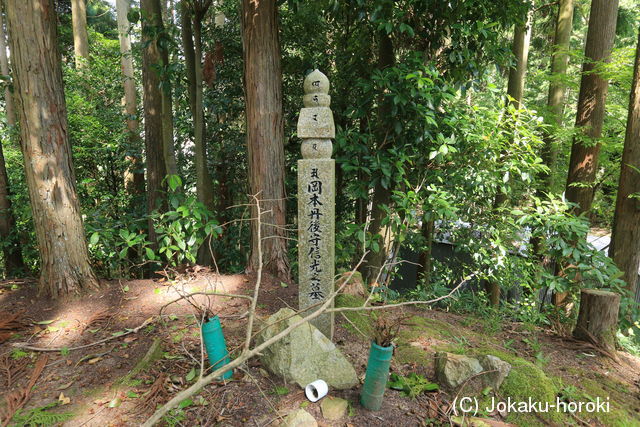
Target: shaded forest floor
x=94 y=386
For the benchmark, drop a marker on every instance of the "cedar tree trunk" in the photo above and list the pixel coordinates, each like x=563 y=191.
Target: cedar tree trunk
x=47 y=154
x=265 y=131
x=625 y=239
x=152 y=103
x=591 y=105
x=80 y=38
x=557 y=87
x=134 y=176
x=13 y=262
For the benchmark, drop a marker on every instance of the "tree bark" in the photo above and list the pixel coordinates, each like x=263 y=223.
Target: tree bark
x=48 y=167
x=13 y=262
x=375 y=261
x=265 y=131
x=515 y=93
x=557 y=87
x=625 y=239
x=598 y=318
x=520 y=50
x=192 y=42
x=585 y=149
x=193 y=13
x=152 y=103
x=134 y=176
x=80 y=37
x=425 y=256
x=166 y=90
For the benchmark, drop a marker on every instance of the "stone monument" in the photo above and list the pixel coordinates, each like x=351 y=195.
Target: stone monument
x=316 y=200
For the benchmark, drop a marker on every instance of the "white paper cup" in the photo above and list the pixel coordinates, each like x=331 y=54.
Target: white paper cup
x=316 y=390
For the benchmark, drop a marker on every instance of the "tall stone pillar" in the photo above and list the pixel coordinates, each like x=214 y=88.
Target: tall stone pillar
x=316 y=200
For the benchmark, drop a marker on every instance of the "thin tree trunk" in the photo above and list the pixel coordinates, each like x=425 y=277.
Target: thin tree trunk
x=167 y=102
x=591 y=105
x=426 y=260
x=381 y=195
x=48 y=167
x=265 y=131
x=204 y=182
x=625 y=239
x=134 y=176
x=515 y=93
x=189 y=52
x=557 y=87
x=80 y=37
x=13 y=262
x=520 y=50
x=152 y=103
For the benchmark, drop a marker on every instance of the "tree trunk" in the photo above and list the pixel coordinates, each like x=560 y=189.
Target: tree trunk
x=152 y=103
x=598 y=318
x=13 y=262
x=425 y=256
x=189 y=53
x=265 y=131
x=375 y=261
x=134 y=176
x=515 y=93
x=80 y=38
x=166 y=91
x=204 y=182
x=557 y=87
x=520 y=50
x=591 y=105
x=625 y=239
x=48 y=167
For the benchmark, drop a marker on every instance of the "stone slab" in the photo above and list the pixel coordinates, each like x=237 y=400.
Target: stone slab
x=316 y=236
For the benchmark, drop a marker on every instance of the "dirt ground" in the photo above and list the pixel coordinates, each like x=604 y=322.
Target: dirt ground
x=92 y=386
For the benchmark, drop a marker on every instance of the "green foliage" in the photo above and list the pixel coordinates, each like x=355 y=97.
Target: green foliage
x=411 y=385
x=40 y=416
x=183 y=228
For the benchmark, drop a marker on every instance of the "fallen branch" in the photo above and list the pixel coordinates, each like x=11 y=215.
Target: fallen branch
x=198 y=385
x=220 y=294
x=24 y=346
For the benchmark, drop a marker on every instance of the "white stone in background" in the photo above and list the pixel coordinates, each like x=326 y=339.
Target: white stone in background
x=316 y=200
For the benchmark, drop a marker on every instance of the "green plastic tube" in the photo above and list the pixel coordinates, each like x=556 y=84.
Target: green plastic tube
x=375 y=381
x=216 y=346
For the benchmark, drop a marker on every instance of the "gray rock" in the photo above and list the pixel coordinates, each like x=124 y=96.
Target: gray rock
x=299 y=418
x=452 y=370
x=305 y=355
x=334 y=408
x=501 y=368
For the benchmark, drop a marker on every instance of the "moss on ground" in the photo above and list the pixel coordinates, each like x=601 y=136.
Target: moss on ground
x=621 y=409
x=361 y=320
x=526 y=379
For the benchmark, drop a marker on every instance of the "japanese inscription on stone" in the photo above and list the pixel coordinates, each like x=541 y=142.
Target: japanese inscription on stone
x=316 y=199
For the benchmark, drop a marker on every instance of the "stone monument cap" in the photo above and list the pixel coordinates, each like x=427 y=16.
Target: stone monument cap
x=316 y=82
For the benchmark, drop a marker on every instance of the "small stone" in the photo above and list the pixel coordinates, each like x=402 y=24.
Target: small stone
x=334 y=408
x=355 y=285
x=299 y=418
x=452 y=370
x=493 y=363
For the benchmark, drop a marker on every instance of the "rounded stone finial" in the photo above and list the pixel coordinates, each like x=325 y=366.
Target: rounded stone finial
x=316 y=82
